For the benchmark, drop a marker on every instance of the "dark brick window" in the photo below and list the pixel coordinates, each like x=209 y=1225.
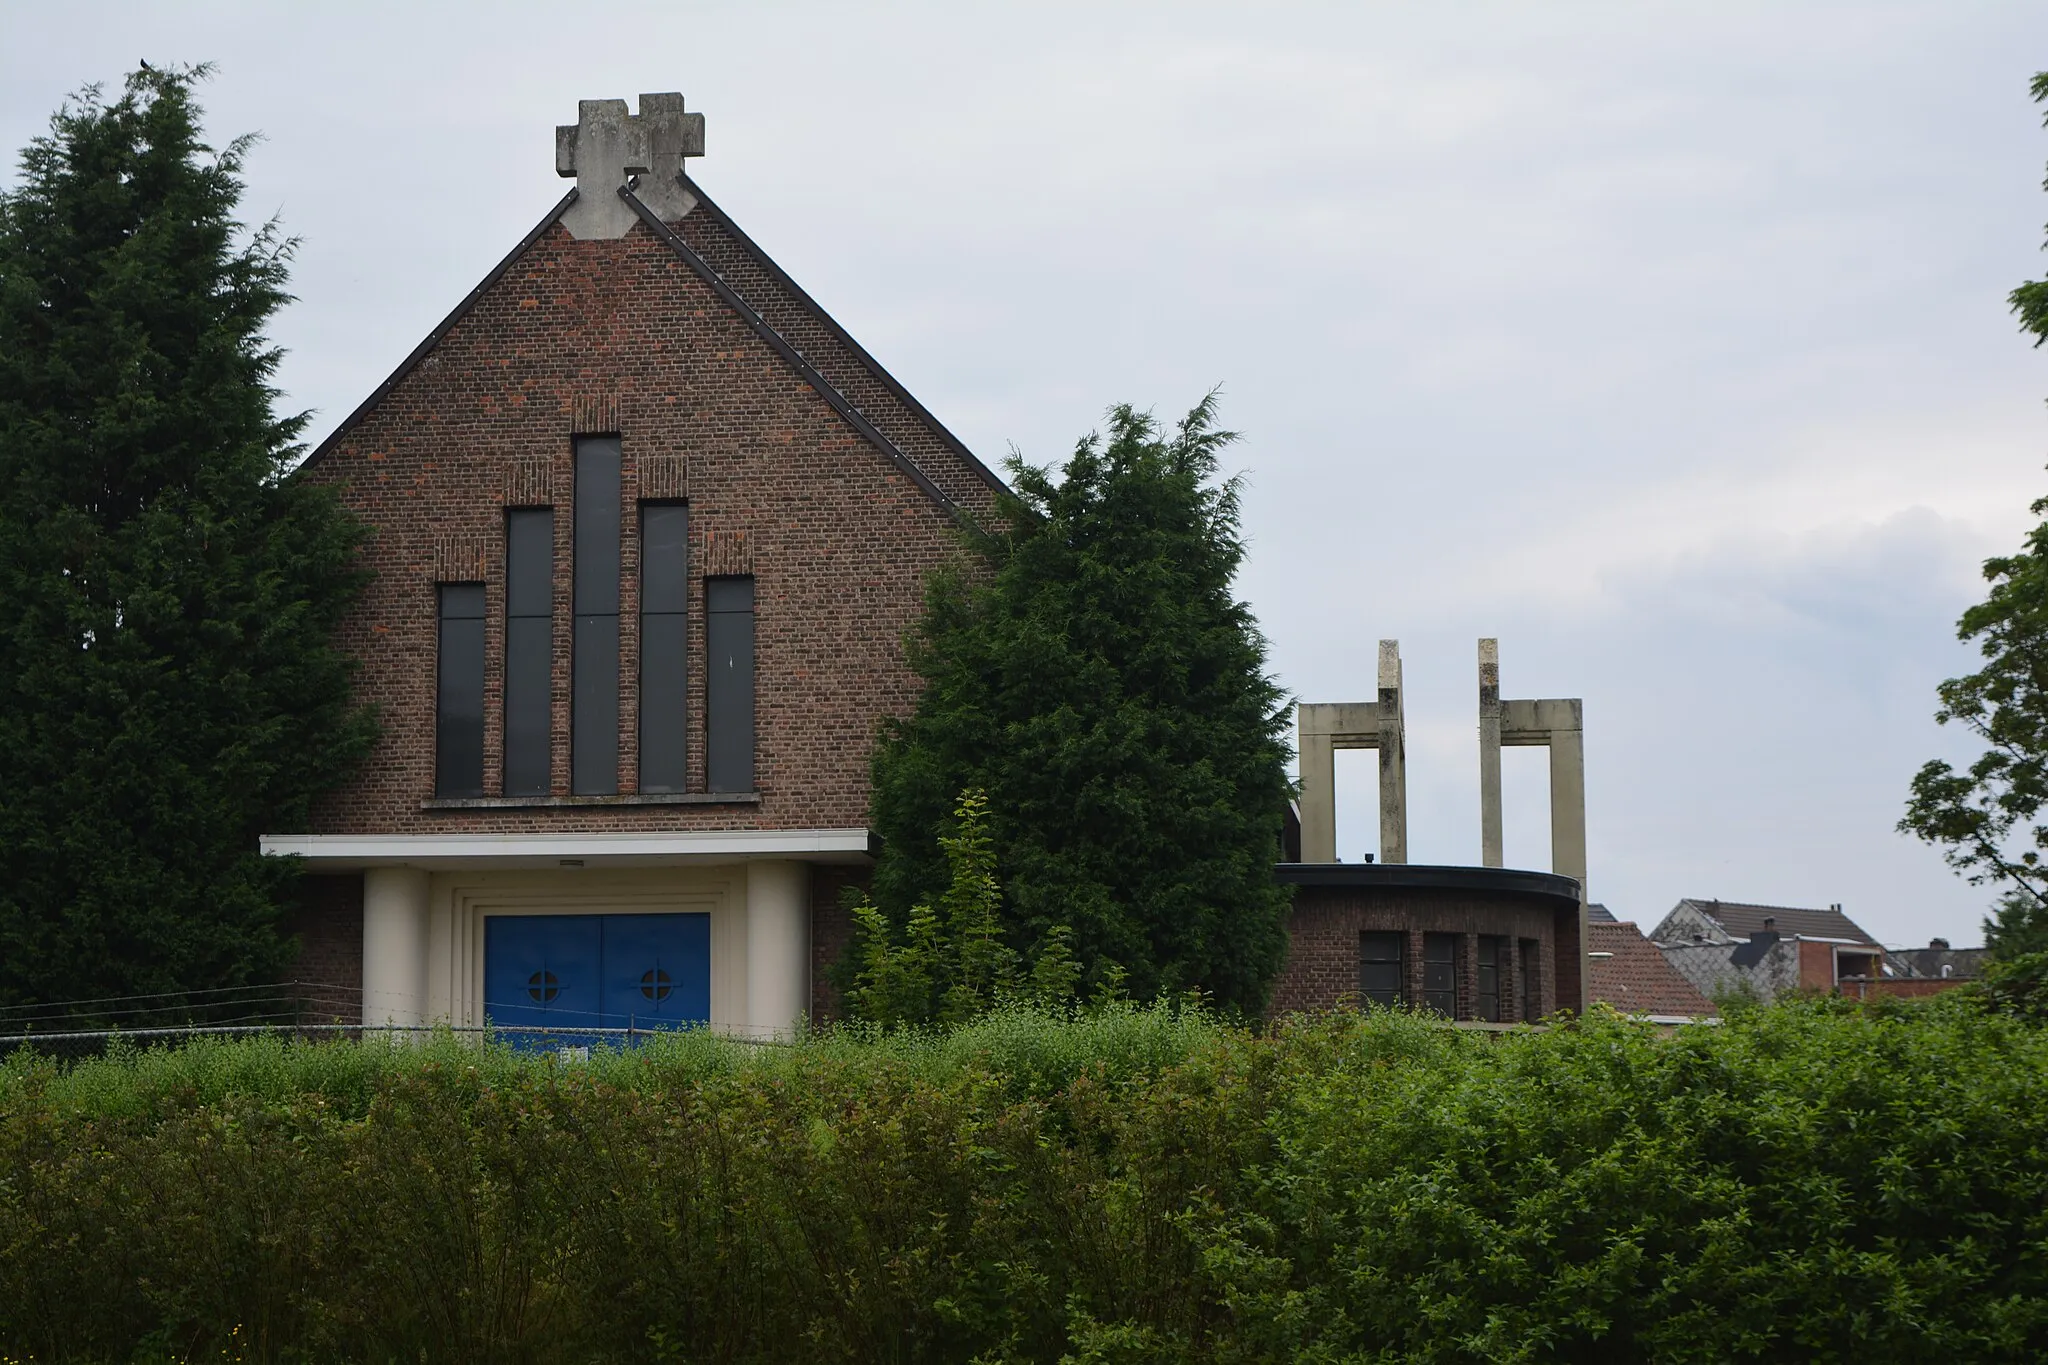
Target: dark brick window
x=594 y=652
x=529 y=648
x=1486 y=1005
x=664 y=619
x=1528 y=984
x=1440 y=974
x=1379 y=967
x=729 y=683
x=459 y=709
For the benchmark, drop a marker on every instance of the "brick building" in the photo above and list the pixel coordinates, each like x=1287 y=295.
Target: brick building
x=647 y=530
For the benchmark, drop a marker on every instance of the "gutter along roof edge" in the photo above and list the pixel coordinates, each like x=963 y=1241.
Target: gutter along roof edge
x=782 y=346
x=846 y=338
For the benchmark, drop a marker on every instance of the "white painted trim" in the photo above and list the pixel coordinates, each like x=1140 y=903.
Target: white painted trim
x=344 y=852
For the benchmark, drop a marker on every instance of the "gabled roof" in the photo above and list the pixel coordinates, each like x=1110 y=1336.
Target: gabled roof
x=1742 y=920
x=782 y=314
x=1637 y=979
x=1596 y=913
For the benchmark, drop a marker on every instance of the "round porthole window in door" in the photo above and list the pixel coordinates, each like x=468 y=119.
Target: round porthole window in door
x=543 y=986
x=655 y=984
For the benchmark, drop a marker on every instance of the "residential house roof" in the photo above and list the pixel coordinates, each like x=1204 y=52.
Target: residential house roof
x=1742 y=920
x=1636 y=979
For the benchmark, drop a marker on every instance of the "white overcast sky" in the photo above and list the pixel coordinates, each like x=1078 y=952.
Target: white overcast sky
x=1665 y=342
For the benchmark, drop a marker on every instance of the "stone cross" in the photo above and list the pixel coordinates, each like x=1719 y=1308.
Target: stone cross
x=1322 y=728
x=606 y=145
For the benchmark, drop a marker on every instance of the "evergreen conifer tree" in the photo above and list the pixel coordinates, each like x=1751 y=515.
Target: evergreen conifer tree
x=1095 y=678
x=168 y=685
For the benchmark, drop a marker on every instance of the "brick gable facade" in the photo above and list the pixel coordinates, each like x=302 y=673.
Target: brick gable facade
x=621 y=335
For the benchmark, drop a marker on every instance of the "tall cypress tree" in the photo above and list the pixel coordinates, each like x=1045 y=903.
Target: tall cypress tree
x=168 y=685
x=1095 y=677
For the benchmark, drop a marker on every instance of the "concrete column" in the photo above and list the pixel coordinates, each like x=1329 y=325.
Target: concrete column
x=1568 y=802
x=395 y=946
x=1490 y=846
x=778 y=948
x=1318 y=788
x=1568 y=834
x=1393 y=747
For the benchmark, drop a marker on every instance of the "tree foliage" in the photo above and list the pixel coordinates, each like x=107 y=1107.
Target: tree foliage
x=168 y=688
x=1987 y=818
x=952 y=963
x=1091 y=673
x=1811 y=1181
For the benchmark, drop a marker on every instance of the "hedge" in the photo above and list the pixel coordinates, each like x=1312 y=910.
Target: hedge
x=1811 y=1181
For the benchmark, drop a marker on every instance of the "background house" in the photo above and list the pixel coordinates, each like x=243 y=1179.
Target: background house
x=1765 y=950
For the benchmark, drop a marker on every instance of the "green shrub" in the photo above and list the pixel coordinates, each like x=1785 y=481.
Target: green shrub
x=1809 y=1182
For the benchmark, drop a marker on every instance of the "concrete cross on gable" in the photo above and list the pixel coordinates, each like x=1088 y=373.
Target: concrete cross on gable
x=607 y=145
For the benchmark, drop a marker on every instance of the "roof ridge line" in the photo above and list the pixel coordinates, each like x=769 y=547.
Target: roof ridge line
x=782 y=346
x=441 y=329
x=846 y=338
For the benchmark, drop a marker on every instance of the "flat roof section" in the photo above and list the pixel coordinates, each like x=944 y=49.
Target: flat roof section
x=1430 y=877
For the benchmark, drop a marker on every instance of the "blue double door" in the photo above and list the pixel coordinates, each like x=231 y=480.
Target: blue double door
x=597 y=971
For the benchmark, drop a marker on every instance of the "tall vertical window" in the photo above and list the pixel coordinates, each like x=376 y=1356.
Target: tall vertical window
x=459 y=707
x=1487 y=1006
x=594 y=661
x=529 y=648
x=1440 y=974
x=1379 y=967
x=664 y=621
x=1529 y=982
x=729 y=684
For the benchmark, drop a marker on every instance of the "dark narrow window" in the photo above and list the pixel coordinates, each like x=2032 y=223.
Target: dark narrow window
x=1528 y=982
x=1379 y=967
x=1440 y=973
x=529 y=648
x=459 y=712
x=1487 y=1006
x=729 y=684
x=594 y=662
x=664 y=617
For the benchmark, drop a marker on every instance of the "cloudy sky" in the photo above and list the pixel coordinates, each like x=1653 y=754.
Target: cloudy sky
x=1665 y=342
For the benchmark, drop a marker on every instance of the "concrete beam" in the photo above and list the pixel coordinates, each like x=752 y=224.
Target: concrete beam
x=1322 y=728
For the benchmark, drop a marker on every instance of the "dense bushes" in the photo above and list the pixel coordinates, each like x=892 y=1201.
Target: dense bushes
x=1808 y=1182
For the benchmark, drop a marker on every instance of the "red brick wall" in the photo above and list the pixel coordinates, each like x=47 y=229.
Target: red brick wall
x=1816 y=966
x=831 y=930
x=1321 y=971
x=621 y=336
x=328 y=920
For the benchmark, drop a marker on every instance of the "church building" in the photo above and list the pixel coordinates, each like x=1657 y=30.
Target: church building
x=647 y=528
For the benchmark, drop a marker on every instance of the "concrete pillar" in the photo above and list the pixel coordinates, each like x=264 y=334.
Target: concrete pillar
x=1393 y=747
x=1568 y=801
x=1490 y=846
x=1568 y=830
x=1318 y=754
x=778 y=948
x=395 y=946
